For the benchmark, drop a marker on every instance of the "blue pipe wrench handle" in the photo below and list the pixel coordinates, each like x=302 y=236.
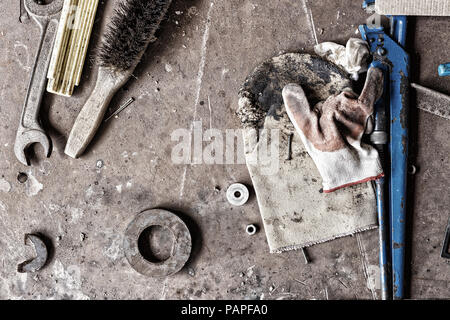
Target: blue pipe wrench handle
x=379 y=138
x=388 y=51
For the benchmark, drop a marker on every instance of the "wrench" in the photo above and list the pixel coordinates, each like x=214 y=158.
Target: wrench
x=41 y=249
x=30 y=130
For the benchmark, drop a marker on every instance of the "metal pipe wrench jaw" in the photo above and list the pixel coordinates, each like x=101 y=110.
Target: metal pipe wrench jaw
x=30 y=130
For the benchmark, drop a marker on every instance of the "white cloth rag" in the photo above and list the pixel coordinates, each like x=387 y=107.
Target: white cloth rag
x=353 y=58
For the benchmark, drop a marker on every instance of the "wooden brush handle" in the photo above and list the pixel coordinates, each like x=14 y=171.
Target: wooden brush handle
x=91 y=116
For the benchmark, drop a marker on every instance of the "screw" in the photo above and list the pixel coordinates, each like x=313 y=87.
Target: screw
x=381 y=51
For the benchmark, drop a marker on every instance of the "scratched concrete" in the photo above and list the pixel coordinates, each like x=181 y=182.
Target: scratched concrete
x=204 y=52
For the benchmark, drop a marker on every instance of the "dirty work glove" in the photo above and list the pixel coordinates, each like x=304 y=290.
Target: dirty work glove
x=332 y=132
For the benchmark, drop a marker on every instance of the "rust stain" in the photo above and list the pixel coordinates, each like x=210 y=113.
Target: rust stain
x=404 y=91
x=404 y=144
x=397 y=245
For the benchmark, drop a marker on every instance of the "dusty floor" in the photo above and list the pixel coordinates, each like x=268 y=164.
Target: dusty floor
x=205 y=50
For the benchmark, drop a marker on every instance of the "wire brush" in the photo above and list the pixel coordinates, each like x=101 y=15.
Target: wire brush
x=132 y=28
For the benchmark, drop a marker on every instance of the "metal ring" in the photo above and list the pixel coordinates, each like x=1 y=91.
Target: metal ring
x=181 y=248
x=412 y=169
x=238 y=194
x=251 y=229
x=43 y=10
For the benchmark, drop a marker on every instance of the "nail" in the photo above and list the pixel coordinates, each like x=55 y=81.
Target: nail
x=123 y=107
x=291 y=136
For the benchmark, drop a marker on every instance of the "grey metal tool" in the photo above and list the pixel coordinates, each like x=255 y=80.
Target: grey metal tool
x=446 y=246
x=39 y=261
x=30 y=131
x=432 y=101
x=23 y=15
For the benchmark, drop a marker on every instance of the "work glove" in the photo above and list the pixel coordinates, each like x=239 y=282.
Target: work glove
x=332 y=131
x=294 y=213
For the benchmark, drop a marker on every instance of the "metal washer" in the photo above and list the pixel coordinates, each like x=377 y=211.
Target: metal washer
x=182 y=243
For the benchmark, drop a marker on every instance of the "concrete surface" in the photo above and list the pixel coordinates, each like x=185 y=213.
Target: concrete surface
x=204 y=52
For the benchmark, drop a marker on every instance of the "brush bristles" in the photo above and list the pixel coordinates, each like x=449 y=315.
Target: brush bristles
x=132 y=27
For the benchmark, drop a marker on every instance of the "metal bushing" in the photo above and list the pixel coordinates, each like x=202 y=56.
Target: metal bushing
x=251 y=229
x=237 y=194
x=181 y=247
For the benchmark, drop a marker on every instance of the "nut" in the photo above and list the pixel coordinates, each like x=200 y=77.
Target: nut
x=251 y=229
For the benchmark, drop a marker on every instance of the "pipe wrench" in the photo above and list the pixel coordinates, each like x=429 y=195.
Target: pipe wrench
x=387 y=45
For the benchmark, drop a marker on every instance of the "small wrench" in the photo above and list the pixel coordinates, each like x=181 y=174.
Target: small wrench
x=40 y=260
x=30 y=130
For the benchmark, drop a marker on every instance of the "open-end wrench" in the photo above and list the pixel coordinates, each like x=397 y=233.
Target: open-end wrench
x=30 y=130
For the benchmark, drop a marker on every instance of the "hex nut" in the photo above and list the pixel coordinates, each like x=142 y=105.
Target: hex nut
x=237 y=194
x=251 y=229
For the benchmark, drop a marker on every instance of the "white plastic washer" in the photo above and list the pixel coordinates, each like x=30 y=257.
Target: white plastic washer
x=237 y=194
x=251 y=229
